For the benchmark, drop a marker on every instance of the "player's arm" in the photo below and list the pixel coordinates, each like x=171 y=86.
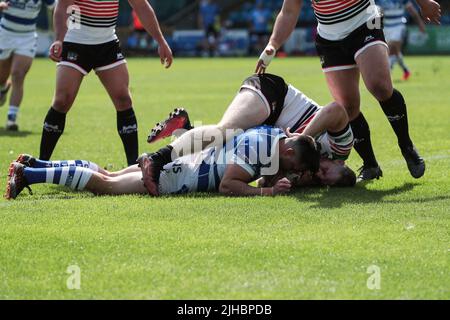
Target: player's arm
x=416 y=16
x=60 y=18
x=431 y=10
x=235 y=182
x=50 y=10
x=283 y=28
x=149 y=20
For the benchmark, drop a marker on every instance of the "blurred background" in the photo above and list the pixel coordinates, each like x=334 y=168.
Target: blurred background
x=230 y=28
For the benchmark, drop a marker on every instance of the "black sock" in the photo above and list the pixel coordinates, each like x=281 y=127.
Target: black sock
x=395 y=110
x=128 y=132
x=363 y=145
x=53 y=128
x=162 y=157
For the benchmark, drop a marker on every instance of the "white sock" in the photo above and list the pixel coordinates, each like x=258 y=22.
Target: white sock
x=402 y=63
x=392 y=61
x=75 y=178
x=12 y=113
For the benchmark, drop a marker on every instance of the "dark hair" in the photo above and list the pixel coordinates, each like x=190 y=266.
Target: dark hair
x=307 y=152
x=347 y=179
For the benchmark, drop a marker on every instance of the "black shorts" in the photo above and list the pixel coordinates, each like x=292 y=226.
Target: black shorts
x=98 y=57
x=272 y=89
x=341 y=54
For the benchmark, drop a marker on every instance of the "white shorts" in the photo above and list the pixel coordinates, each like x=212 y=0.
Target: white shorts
x=17 y=43
x=191 y=173
x=395 y=33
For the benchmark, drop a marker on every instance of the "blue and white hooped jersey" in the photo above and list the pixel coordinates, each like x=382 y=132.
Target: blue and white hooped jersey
x=21 y=15
x=394 y=12
x=255 y=151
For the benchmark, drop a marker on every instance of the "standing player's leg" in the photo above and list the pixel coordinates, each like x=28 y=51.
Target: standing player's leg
x=395 y=48
x=19 y=69
x=116 y=81
x=374 y=66
x=5 y=71
x=68 y=81
x=344 y=87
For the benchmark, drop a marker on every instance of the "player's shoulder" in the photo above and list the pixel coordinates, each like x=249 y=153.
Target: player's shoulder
x=265 y=132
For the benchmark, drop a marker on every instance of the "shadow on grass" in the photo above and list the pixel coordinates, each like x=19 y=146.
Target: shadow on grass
x=18 y=134
x=337 y=197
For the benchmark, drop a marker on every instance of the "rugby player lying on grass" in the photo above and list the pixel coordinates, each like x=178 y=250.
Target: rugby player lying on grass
x=262 y=99
x=228 y=169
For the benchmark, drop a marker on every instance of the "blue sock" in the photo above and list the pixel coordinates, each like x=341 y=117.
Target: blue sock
x=34 y=176
x=69 y=163
x=73 y=177
x=12 y=113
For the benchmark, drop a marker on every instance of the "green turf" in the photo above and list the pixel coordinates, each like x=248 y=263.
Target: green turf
x=312 y=244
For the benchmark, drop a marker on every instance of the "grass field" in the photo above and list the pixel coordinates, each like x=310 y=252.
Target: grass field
x=313 y=244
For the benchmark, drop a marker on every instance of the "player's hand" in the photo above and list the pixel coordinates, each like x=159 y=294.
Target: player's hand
x=290 y=134
x=282 y=186
x=431 y=11
x=147 y=175
x=265 y=59
x=4 y=6
x=165 y=53
x=55 y=51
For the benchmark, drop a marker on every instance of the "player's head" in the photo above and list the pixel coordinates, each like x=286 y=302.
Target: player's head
x=300 y=154
x=335 y=174
x=331 y=173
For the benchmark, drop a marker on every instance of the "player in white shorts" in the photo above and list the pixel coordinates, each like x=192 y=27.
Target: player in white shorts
x=394 y=22
x=18 y=44
x=229 y=170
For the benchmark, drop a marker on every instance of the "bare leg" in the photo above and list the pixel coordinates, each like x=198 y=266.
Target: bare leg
x=20 y=67
x=374 y=66
x=332 y=118
x=5 y=70
x=130 y=183
x=245 y=111
x=68 y=81
x=125 y=171
x=344 y=86
x=116 y=81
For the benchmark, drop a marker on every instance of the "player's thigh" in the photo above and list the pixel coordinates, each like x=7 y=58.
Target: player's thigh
x=130 y=183
x=374 y=66
x=116 y=82
x=68 y=81
x=20 y=67
x=246 y=111
x=395 y=47
x=5 y=69
x=344 y=87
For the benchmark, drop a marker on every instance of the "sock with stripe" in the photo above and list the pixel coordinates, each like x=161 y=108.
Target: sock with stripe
x=75 y=178
x=53 y=128
x=12 y=113
x=68 y=163
x=395 y=110
x=341 y=142
x=392 y=61
x=363 y=143
x=128 y=132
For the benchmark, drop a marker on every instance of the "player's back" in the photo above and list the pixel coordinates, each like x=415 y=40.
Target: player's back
x=255 y=151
